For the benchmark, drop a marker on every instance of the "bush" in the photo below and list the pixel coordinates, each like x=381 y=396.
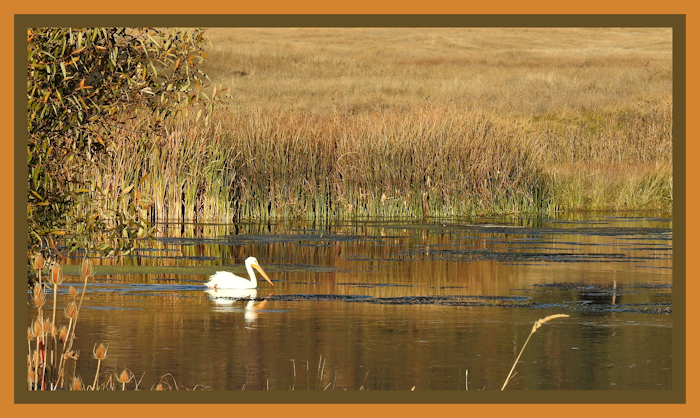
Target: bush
x=82 y=86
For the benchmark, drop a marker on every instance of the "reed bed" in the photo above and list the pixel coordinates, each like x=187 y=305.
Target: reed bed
x=433 y=161
x=331 y=123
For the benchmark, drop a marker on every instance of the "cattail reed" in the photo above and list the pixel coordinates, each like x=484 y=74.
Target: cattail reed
x=537 y=325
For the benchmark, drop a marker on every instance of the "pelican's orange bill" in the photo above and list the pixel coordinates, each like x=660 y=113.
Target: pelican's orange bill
x=258 y=268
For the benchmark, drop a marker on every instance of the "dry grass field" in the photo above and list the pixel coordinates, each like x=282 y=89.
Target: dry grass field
x=344 y=122
x=523 y=71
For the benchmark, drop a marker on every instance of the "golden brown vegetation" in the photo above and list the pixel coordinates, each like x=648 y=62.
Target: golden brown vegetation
x=537 y=325
x=48 y=358
x=50 y=349
x=338 y=122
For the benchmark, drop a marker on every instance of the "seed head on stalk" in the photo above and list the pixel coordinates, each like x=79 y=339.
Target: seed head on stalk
x=37 y=328
x=125 y=377
x=55 y=278
x=77 y=383
x=537 y=324
x=86 y=267
x=56 y=274
x=99 y=353
x=38 y=296
x=38 y=261
x=71 y=310
x=63 y=334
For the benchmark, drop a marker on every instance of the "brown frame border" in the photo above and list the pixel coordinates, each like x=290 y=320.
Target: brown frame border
x=677 y=22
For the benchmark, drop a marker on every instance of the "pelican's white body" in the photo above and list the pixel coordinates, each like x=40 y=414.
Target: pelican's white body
x=227 y=280
x=230 y=296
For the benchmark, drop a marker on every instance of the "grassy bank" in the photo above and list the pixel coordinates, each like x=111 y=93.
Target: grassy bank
x=429 y=122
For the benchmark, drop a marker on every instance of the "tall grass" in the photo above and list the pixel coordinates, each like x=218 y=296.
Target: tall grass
x=425 y=162
x=366 y=122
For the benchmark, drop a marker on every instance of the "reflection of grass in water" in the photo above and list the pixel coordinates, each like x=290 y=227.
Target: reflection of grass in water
x=111 y=270
x=124 y=267
x=378 y=239
x=47 y=365
x=48 y=349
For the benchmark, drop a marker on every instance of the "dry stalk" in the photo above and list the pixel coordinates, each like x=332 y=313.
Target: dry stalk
x=537 y=324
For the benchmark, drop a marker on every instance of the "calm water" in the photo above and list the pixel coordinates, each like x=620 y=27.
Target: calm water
x=391 y=305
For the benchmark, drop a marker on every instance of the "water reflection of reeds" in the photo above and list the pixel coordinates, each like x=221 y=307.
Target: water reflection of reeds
x=392 y=250
x=383 y=343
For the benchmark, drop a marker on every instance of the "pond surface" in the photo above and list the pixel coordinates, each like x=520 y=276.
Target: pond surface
x=390 y=305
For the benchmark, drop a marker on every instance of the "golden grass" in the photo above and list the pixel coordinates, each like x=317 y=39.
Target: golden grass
x=503 y=70
x=338 y=122
x=535 y=327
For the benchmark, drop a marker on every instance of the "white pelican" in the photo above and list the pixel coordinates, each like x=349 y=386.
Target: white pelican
x=226 y=280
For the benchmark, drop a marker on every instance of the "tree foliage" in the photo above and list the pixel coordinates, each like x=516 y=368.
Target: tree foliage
x=83 y=84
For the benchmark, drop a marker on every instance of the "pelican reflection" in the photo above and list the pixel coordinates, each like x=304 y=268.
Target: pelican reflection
x=225 y=300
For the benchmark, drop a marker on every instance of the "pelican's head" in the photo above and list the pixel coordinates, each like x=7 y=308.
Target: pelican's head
x=253 y=262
